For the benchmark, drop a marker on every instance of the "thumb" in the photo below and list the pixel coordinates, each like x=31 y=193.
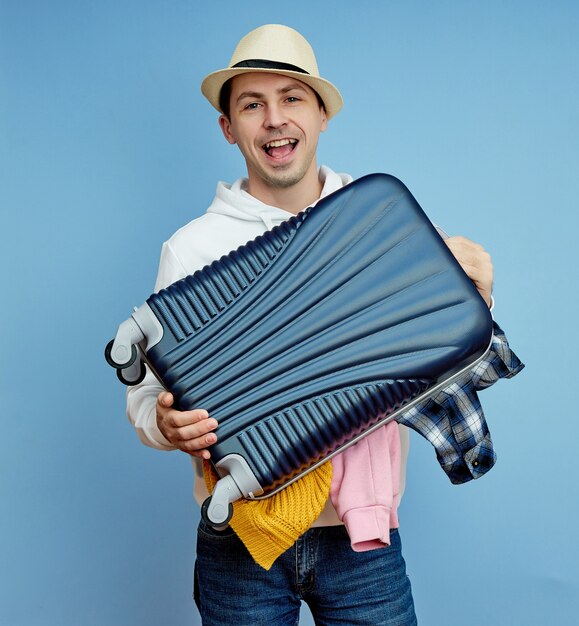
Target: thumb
x=166 y=398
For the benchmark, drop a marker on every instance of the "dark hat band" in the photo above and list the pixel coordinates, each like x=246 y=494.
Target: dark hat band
x=263 y=64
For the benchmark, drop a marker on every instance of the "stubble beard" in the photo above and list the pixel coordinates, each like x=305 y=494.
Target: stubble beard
x=283 y=180
x=285 y=176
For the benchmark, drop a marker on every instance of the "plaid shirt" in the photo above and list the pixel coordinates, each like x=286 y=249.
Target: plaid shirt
x=453 y=420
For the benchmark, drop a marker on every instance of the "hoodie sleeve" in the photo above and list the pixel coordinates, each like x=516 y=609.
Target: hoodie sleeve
x=142 y=398
x=365 y=488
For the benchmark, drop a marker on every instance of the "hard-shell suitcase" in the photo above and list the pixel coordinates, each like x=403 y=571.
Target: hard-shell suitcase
x=310 y=336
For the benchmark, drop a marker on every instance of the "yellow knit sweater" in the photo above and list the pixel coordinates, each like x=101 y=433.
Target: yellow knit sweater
x=271 y=526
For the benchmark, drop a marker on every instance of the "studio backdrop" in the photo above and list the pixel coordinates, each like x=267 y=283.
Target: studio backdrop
x=107 y=147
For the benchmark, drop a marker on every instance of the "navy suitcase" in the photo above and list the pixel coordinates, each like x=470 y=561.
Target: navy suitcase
x=310 y=336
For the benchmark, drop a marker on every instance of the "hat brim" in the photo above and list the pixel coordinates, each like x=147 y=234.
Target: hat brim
x=212 y=84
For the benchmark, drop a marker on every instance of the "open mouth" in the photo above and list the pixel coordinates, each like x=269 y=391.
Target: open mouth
x=280 y=148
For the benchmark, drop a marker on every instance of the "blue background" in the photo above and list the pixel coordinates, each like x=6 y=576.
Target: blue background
x=107 y=147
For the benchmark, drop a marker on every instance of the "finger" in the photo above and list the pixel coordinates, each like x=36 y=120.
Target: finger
x=472 y=271
x=483 y=281
x=479 y=276
x=462 y=242
x=199 y=443
x=186 y=418
x=165 y=399
x=194 y=431
x=198 y=446
x=461 y=253
x=192 y=449
x=201 y=454
x=470 y=260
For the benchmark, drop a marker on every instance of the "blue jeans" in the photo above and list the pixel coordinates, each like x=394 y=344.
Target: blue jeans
x=339 y=585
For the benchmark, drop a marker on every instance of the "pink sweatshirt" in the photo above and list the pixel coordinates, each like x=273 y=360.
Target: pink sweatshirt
x=365 y=488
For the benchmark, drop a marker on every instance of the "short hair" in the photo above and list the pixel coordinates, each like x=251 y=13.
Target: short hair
x=225 y=98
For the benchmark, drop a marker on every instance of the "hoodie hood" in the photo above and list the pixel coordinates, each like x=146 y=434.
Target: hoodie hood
x=234 y=200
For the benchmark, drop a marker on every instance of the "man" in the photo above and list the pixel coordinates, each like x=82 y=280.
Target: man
x=273 y=106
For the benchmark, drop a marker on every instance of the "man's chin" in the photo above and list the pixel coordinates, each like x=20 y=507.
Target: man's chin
x=283 y=177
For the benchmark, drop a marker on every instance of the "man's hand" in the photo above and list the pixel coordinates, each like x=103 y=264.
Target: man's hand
x=189 y=431
x=476 y=262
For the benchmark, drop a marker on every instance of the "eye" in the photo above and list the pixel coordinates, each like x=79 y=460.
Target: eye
x=251 y=106
x=292 y=99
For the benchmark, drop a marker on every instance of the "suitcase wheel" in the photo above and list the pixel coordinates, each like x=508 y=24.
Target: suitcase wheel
x=132 y=381
x=112 y=362
x=216 y=524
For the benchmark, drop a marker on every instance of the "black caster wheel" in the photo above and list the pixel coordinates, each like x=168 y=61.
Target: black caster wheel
x=113 y=363
x=205 y=516
x=132 y=381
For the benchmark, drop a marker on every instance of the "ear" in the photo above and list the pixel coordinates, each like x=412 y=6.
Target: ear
x=324 y=119
x=225 y=126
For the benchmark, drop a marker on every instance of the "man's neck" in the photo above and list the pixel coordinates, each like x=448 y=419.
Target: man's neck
x=292 y=199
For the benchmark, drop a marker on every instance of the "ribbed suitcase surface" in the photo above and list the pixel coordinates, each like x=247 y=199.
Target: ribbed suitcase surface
x=305 y=337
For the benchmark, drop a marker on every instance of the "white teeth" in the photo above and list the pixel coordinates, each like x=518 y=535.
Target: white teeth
x=278 y=143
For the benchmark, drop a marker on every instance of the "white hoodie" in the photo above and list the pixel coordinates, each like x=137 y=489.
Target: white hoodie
x=234 y=218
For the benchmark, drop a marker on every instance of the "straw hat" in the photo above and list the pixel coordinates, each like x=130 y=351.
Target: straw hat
x=274 y=49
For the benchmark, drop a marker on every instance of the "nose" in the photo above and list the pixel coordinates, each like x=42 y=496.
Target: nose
x=274 y=116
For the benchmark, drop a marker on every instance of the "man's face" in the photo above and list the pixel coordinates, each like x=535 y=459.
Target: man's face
x=275 y=120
